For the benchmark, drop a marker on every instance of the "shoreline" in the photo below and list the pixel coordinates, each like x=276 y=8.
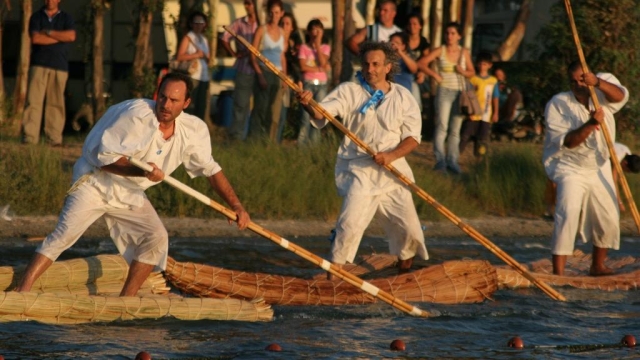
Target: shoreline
x=489 y=226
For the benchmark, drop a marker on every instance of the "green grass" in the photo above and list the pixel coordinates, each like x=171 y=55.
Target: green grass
x=289 y=182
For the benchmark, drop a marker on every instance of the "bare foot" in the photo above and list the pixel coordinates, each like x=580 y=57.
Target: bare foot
x=404 y=266
x=601 y=271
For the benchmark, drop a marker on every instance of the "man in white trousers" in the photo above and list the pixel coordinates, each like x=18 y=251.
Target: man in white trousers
x=576 y=158
x=106 y=184
x=387 y=118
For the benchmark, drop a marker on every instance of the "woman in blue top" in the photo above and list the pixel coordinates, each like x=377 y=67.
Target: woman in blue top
x=399 y=42
x=272 y=41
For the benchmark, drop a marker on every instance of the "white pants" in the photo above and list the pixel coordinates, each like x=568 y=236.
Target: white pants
x=586 y=205
x=399 y=219
x=137 y=232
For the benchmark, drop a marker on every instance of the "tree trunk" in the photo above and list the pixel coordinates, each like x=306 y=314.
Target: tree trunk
x=213 y=45
x=337 y=51
x=4 y=8
x=142 y=50
x=186 y=7
x=436 y=40
x=454 y=11
x=468 y=25
x=426 y=15
x=370 y=16
x=509 y=47
x=22 y=74
x=99 y=102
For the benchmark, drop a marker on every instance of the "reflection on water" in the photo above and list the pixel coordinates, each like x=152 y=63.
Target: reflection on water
x=478 y=331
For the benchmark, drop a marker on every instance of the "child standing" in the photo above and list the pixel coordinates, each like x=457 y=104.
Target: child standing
x=408 y=67
x=479 y=126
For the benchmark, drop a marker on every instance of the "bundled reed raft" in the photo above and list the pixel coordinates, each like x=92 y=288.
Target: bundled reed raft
x=452 y=282
x=627 y=276
x=102 y=274
x=74 y=309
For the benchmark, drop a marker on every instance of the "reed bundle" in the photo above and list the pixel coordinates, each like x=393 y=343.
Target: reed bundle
x=452 y=282
x=69 y=308
x=627 y=278
x=92 y=275
x=367 y=264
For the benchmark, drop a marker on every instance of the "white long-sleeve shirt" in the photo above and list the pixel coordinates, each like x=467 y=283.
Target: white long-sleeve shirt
x=131 y=128
x=383 y=128
x=564 y=114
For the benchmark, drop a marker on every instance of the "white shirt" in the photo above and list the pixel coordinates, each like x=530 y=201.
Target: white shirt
x=385 y=32
x=382 y=129
x=131 y=128
x=621 y=150
x=564 y=114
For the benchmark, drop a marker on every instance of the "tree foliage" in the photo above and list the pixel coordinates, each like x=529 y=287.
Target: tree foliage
x=609 y=32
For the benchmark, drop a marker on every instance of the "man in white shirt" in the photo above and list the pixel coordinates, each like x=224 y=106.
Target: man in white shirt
x=378 y=32
x=385 y=116
x=106 y=184
x=576 y=158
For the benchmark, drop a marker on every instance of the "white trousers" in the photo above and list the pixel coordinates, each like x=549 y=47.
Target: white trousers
x=137 y=232
x=399 y=219
x=586 y=206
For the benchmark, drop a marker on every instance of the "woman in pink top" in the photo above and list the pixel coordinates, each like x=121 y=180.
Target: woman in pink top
x=314 y=63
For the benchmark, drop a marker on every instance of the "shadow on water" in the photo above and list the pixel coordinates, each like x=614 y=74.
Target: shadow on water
x=469 y=331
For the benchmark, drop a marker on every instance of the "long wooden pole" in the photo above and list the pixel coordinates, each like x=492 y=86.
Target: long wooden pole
x=605 y=129
x=421 y=193
x=305 y=254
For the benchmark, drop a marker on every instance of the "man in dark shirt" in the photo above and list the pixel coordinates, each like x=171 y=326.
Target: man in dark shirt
x=52 y=30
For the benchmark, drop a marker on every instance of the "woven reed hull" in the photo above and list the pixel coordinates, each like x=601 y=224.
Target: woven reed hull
x=74 y=309
x=452 y=282
x=102 y=274
x=577 y=268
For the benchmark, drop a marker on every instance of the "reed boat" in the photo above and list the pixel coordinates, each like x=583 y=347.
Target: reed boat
x=452 y=282
x=626 y=276
x=86 y=290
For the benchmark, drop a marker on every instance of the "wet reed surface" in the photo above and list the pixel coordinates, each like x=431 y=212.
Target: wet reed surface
x=476 y=331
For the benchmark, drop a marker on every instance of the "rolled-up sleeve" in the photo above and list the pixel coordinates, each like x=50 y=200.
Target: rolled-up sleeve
x=197 y=158
x=412 y=120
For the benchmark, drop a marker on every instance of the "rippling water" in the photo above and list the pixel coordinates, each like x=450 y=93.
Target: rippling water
x=478 y=331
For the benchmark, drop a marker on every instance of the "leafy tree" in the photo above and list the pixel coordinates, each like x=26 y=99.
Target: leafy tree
x=609 y=32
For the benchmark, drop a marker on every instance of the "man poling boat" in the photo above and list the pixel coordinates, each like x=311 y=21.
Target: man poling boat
x=417 y=190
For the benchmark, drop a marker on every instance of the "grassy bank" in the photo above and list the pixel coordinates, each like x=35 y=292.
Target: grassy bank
x=288 y=182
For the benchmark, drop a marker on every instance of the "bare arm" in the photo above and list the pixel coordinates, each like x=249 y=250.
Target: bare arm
x=611 y=92
x=403 y=149
x=182 y=51
x=470 y=70
x=423 y=64
x=227 y=46
x=408 y=61
x=353 y=43
x=54 y=37
x=494 y=109
x=579 y=135
x=222 y=187
x=323 y=59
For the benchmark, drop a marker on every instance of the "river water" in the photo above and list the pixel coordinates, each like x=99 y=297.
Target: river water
x=476 y=331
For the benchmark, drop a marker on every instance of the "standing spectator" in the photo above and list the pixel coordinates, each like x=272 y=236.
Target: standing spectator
x=245 y=76
x=576 y=159
x=386 y=116
x=314 y=62
x=378 y=32
x=290 y=27
x=399 y=42
x=272 y=41
x=418 y=48
x=195 y=46
x=454 y=65
x=51 y=31
x=479 y=126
